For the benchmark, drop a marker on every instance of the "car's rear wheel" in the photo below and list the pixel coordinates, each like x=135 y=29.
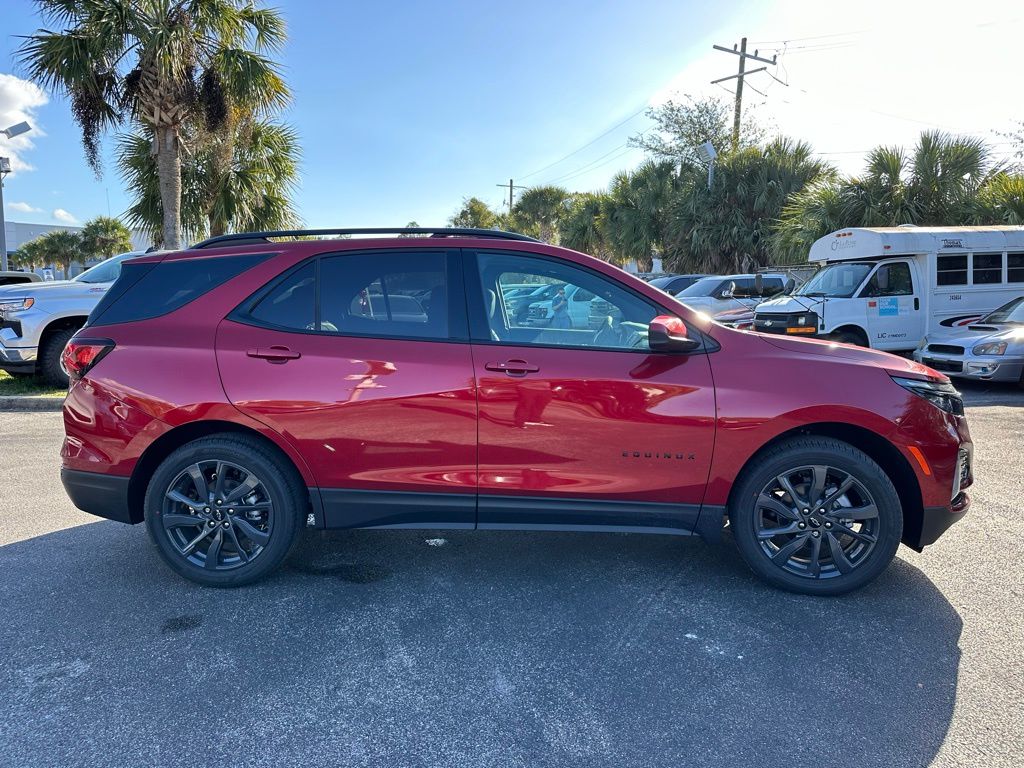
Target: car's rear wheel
x=224 y=511
x=816 y=516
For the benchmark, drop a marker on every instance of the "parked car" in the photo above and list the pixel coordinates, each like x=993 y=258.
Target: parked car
x=992 y=349
x=673 y=284
x=16 y=277
x=719 y=293
x=38 y=318
x=539 y=307
x=889 y=287
x=230 y=394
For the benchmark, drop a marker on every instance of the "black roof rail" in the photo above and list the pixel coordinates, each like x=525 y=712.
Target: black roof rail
x=253 y=238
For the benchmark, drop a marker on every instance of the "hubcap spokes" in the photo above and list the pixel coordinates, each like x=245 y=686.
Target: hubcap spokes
x=816 y=521
x=218 y=515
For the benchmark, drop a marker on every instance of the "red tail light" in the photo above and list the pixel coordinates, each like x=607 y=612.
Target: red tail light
x=80 y=355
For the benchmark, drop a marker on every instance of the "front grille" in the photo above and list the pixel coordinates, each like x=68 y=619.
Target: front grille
x=946 y=349
x=946 y=366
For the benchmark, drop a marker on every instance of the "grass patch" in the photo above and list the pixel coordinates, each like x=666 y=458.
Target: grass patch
x=28 y=385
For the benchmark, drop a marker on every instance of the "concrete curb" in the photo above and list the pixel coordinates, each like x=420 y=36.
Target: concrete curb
x=30 y=403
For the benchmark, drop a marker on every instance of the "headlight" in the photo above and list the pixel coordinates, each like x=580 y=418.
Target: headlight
x=990 y=348
x=942 y=395
x=15 y=305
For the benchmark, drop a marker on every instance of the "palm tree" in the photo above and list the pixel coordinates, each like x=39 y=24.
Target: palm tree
x=30 y=255
x=538 y=211
x=241 y=182
x=936 y=184
x=104 y=237
x=583 y=227
x=1000 y=201
x=728 y=227
x=636 y=211
x=61 y=248
x=160 y=63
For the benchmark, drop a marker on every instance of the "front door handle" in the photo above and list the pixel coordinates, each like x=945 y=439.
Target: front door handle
x=512 y=367
x=275 y=354
x=917 y=303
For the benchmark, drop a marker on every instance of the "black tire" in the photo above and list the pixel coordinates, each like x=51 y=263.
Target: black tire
x=279 y=503
x=48 y=364
x=760 y=506
x=850 y=337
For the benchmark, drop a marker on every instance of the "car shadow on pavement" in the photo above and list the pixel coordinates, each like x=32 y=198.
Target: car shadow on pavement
x=461 y=649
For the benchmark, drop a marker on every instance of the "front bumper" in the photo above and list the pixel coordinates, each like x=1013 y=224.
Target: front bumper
x=977 y=368
x=937 y=519
x=18 y=360
x=98 y=494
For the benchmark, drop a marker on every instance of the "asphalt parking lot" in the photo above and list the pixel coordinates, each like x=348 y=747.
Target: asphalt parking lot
x=413 y=648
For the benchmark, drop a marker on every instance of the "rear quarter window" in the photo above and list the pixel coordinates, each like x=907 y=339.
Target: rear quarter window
x=144 y=291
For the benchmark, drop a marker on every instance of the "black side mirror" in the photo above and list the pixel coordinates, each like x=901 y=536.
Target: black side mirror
x=759 y=284
x=789 y=286
x=668 y=334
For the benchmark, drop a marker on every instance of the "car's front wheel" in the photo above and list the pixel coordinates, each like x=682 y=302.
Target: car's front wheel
x=224 y=511
x=816 y=516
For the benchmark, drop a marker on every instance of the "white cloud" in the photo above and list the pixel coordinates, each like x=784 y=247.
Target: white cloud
x=24 y=208
x=19 y=100
x=64 y=217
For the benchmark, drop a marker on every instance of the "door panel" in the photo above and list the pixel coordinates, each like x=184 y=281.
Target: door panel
x=591 y=426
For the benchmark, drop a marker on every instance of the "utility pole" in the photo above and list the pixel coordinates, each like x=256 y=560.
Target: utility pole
x=742 y=53
x=511 y=188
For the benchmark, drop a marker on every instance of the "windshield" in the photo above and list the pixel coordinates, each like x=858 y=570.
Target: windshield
x=106 y=271
x=706 y=286
x=836 y=281
x=1011 y=313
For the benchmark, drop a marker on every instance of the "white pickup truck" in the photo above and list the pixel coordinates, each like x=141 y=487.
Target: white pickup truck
x=38 y=319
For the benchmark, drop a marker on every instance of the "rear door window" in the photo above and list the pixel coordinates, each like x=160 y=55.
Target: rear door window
x=951 y=269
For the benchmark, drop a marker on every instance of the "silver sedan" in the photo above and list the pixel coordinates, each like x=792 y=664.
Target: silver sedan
x=992 y=349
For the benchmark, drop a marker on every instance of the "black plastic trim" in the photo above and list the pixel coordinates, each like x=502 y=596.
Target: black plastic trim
x=397 y=509
x=100 y=495
x=576 y=514
x=14 y=325
x=937 y=520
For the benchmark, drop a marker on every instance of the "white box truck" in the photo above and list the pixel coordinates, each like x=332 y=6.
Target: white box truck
x=887 y=287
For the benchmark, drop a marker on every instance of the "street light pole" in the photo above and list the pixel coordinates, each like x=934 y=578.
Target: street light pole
x=5 y=168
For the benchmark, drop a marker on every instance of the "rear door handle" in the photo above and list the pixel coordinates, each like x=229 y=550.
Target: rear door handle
x=512 y=367
x=275 y=354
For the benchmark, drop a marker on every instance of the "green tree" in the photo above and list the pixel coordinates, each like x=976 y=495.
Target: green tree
x=636 y=212
x=538 y=211
x=937 y=183
x=728 y=228
x=1000 y=201
x=61 y=248
x=681 y=126
x=30 y=255
x=159 y=63
x=103 y=237
x=242 y=180
x=583 y=226
x=475 y=214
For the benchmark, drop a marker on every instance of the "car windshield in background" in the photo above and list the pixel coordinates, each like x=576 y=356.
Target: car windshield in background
x=1011 y=313
x=706 y=286
x=838 y=281
x=106 y=271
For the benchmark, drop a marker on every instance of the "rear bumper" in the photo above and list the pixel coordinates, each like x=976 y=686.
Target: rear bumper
x=98 y=494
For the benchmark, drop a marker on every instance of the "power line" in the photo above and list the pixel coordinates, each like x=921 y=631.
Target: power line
x=589 y=143
x=624 y=150
x=587 y=166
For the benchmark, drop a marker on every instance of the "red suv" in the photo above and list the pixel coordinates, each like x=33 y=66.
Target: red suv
x=230 y=394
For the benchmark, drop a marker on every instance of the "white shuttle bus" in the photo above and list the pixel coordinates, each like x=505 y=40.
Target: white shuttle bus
x=888 y=287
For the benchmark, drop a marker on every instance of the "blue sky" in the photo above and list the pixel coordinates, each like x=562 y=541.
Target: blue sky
x=405 y=108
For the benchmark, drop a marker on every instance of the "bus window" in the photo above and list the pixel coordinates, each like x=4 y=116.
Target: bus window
x=988 y=268
x=951 y=269
x=1015 y=267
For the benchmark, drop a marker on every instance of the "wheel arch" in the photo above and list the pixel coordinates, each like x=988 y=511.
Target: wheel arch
x=60 y=324
x=884 y=453
x=178 y=436
x=853 y=329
